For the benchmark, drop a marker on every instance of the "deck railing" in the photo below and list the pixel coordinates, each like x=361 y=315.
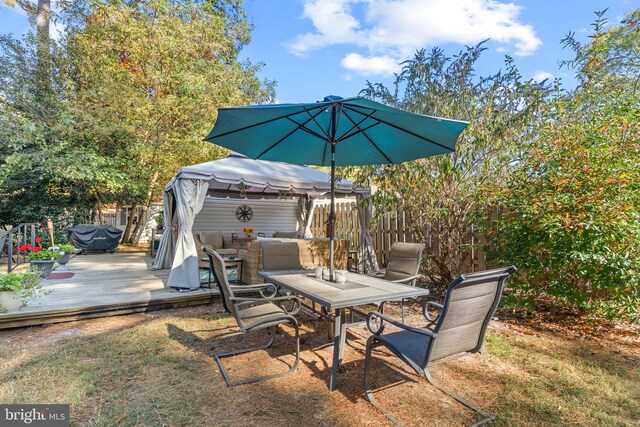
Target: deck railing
x=19 y=235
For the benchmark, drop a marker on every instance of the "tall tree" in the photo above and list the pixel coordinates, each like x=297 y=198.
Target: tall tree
x=443 y=193
x=40 y=14
x=158 y=71
x=47 y=161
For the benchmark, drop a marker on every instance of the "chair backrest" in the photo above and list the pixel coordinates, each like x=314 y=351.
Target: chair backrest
x=280 y=256
x=404 y=260
x=286 y=235
x=213 y=238
x=469 y=304
x=220 y=274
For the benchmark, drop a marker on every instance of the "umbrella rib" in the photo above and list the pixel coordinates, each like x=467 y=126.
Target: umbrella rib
x=357 y=126
x=300 y=126
x=360 y=130
x=286 y=116
x=404 y=130
x=306 y=129
x=327 y=137
x=367 y=136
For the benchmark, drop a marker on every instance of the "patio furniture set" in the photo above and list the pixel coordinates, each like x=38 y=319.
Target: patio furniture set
x=333 y=132
x=290 y=288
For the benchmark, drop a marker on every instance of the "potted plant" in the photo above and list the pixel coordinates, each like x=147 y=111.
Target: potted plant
x=67 y=250
x=44 y=259
x=16 y=289
x=248 y=232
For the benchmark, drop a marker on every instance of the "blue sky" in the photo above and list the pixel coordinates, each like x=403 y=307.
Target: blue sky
x=314 y=48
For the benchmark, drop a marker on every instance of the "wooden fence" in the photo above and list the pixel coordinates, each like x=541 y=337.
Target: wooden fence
x=389 y=229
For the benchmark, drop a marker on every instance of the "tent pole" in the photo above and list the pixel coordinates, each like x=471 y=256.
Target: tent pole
x=332 y=213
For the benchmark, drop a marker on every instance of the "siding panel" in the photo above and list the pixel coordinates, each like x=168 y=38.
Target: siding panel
x=269 y=215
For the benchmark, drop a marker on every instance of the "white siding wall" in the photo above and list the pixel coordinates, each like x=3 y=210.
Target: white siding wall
x=269 y=215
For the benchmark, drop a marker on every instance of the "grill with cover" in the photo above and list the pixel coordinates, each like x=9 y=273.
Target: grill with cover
x=92 y=237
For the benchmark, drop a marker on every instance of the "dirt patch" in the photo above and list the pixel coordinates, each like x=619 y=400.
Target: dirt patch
x=159 y=368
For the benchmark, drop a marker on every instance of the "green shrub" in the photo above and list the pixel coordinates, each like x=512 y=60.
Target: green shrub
x=570 y=214
x=66 y=248
x=44 y=254
x=26 y=284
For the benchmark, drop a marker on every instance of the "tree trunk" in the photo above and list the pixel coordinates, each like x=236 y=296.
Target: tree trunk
x=127 y=230
x=99 y=206
x=134 y=238
x=43 y=72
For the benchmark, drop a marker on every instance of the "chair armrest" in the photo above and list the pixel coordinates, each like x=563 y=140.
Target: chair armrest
x=256 y=288
x=406 y=279
x=383 y=318
x=294 y=299
x=426 y=314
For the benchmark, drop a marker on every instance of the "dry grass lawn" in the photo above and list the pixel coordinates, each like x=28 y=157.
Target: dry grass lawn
x=158 y=369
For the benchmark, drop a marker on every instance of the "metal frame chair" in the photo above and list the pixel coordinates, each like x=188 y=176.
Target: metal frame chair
x=253 y=313
x=403 y=266
x=458 y=330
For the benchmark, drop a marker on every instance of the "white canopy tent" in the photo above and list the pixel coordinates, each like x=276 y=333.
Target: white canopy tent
x=184 y=196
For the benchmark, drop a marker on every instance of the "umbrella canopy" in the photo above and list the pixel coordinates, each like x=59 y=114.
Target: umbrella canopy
x=336 y=131
x=363 y=132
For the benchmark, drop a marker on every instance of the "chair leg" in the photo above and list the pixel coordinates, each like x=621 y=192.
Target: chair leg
x=293 y=368
x=487 y=416
x=367 y=383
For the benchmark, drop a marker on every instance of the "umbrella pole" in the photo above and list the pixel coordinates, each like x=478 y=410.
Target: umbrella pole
x=332 y=213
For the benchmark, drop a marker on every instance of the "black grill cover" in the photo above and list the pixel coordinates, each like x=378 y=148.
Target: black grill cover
x=94 y=237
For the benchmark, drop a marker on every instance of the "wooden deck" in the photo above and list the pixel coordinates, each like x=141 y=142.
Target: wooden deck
x=103 y=285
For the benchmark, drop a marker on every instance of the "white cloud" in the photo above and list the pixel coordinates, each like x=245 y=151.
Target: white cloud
x=56 y=29
x=394 y=29
x=334 y=23
x=539 y=76
x=370 y=65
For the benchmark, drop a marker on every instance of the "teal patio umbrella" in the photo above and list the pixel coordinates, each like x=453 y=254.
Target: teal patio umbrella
x=334 y=132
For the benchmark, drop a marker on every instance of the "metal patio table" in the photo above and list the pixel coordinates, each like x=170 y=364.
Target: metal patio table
x=358 y=290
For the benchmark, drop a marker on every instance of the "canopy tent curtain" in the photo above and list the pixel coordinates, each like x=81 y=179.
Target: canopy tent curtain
x=185 y=193
x=164 y=256
x=189 y=195
x=367 y=261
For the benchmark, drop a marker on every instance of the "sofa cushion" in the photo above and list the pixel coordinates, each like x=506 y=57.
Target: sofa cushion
x=212 y=238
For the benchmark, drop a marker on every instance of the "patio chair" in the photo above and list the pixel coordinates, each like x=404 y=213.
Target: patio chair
x=403 y=266
x=252 y=314
x=458 y=330
x=280 y=256
x=214 y=240
x=236 y=288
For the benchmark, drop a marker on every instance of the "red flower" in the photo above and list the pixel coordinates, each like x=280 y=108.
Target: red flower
x=37 y=249
x=24 y=248
x=38 y=239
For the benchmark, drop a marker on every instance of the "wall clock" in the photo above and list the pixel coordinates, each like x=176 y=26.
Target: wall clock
x=244 y=213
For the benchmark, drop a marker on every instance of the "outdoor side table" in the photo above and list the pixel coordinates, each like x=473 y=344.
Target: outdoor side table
x=238 y=262
x=227 y=261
